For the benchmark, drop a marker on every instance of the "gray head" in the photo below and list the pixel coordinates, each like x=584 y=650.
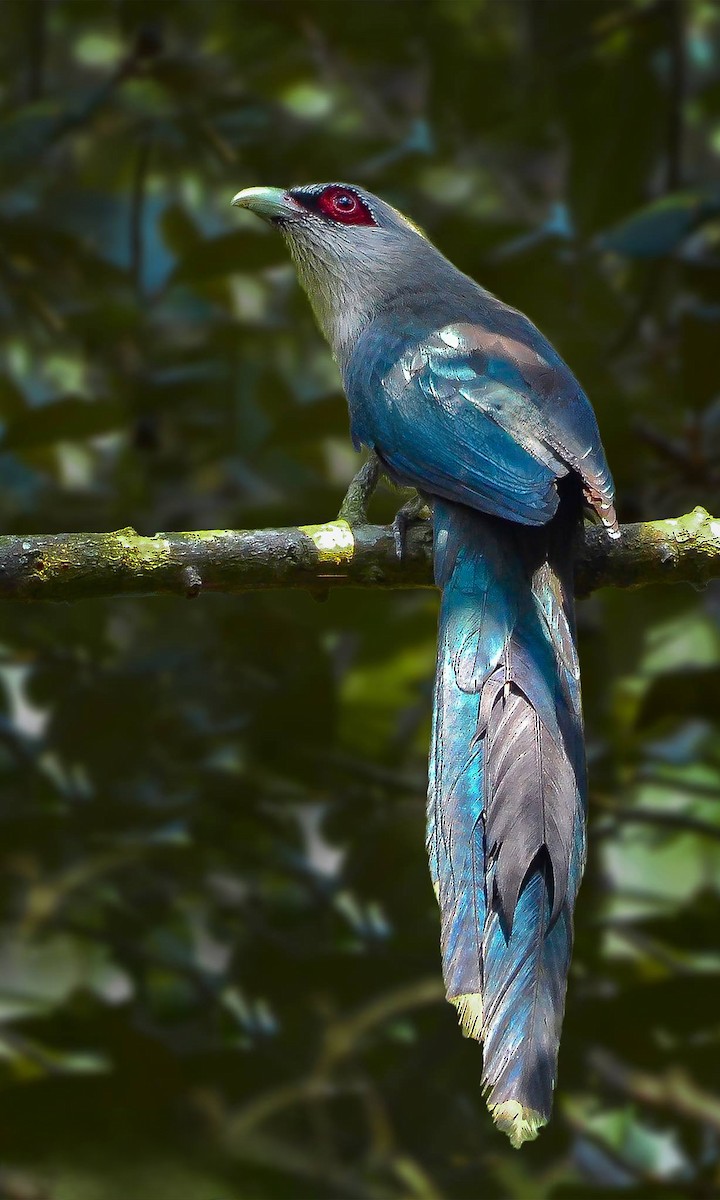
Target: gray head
x=351 y=250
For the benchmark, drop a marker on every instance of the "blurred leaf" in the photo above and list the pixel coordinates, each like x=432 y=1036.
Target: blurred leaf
x=37 y=977
x=658 y=230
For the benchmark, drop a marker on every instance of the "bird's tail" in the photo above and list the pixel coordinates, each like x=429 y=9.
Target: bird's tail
x=506 y=803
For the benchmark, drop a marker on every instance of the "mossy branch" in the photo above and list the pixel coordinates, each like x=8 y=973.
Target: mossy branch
x=74 y=566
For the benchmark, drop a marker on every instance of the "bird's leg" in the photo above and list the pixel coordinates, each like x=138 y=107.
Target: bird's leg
x=354 y=508
x=410 y=511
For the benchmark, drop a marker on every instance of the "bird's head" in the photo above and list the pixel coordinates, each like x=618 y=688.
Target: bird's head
x=350 y=249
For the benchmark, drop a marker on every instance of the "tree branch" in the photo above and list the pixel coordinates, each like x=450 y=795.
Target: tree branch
x=74 y=566
x=673 y=1091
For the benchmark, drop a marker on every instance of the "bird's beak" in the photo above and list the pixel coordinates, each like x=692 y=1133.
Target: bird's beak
x=271 y=203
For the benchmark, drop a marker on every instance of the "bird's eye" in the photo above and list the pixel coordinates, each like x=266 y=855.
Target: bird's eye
x=341 y=204
x=345 y=202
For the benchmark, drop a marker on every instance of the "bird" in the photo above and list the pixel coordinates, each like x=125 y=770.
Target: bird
x=460 y=396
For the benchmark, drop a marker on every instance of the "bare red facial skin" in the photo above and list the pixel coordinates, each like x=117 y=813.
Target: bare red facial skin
x=342 y=205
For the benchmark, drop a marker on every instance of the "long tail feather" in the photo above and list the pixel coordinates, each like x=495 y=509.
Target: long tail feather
x=506 y=804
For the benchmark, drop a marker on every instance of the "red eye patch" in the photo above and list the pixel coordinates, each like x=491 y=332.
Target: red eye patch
x=340 y=204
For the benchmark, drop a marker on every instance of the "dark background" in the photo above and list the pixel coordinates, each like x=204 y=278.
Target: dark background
x=219 y=969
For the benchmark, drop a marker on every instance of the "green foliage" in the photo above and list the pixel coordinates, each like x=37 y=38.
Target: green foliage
x=219 y=973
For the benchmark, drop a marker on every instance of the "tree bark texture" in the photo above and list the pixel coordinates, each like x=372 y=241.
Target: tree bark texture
x=74 y=566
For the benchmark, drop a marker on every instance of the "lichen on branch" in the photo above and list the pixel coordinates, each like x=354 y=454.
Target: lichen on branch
x=74 y=566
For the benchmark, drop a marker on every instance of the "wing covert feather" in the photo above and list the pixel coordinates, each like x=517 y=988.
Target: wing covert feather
x=481 y=415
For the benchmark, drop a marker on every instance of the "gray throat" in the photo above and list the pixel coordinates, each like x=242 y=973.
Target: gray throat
x=349 y=281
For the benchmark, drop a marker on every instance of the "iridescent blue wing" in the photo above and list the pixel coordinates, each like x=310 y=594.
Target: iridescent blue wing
x=484 y=417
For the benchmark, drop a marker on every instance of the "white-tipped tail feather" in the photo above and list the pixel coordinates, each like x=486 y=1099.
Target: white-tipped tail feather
x=519 y=1123
x=470 y=1014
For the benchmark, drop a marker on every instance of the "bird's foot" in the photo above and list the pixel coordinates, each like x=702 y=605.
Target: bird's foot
x=410 y=512
x=354 y=508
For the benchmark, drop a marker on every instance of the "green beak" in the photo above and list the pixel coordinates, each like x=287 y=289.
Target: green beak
x=267 y=202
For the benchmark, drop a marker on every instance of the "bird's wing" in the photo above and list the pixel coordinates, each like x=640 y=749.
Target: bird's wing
x=486 y=418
